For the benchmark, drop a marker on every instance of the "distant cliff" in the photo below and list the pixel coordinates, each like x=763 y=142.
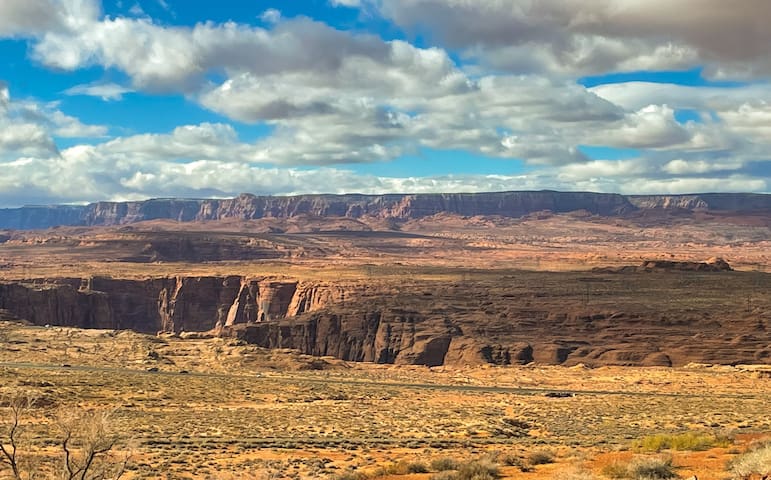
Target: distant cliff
x=247 y=206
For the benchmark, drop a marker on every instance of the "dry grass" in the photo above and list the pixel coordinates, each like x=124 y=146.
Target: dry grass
x=681 y=441
x=243 y=409
x=754 y=462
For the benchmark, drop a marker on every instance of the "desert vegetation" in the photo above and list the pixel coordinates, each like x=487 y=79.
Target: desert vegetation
x=215 y=407
x=465 y=321
x=86 y=444
x=755 y=463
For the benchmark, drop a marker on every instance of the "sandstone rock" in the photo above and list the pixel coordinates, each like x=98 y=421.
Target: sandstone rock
x=177 y=304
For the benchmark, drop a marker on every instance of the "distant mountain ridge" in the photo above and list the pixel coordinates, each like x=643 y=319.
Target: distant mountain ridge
x=398 y=206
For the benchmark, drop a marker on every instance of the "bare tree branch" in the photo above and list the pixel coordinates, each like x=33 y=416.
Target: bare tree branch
x=18 y=404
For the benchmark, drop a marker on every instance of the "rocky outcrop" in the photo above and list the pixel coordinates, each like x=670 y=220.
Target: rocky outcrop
x=390 y=336
x=733 y=202
x=175 y=304
x=713 y=264
x=553 y=318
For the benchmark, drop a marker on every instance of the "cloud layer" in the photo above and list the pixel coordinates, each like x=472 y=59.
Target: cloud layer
x=499 y=81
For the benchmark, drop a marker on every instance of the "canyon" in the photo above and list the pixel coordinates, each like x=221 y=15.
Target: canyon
x=456 y=279
x=593 y=318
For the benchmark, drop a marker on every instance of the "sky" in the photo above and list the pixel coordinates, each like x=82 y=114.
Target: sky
x=134 y=99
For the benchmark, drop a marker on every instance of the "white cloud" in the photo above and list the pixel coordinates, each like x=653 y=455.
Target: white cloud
x=271 y=16
x=37 y=17
x=137 y=10
x=28 y=128
x=636 y=95
x=576 y=37
x=346 y=3
x=688 y=167
x=105 y=91
x=653 y=127
x=334 y=97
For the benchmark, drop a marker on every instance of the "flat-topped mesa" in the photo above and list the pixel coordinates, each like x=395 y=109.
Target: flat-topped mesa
x=733 y=202
x=397 y=206
x=247 y=206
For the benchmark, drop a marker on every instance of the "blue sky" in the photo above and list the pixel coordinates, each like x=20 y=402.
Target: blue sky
x=131 y=99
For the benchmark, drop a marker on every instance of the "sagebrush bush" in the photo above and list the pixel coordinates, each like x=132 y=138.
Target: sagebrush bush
x=402 y=468
x=445 y=475
x=616 y=470
x=483 y=469
x=417 y=467
x=658 y=468
x=753 y=462
x=443 y=464
x=540 y=457
x=478 y=470
x=351 y=475
x=652 y=469
x=515 y=461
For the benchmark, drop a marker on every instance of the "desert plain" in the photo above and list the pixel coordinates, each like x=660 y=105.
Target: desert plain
x=548 y=345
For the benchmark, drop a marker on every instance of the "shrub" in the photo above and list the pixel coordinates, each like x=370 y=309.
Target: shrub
x=401 y=468
x=482 y=469
x=616 y=470
x=652 y=469
x=351 y=475
x=515 y=461
x=444 y=464
x=478 y=470
x=445 y=475
x=417 y=467
x=540 y=457
x=753 y=462
x=641 y=469
x=681 y=441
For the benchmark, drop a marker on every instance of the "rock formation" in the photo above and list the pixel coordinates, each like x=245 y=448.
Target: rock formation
x=551 y=318
x=713 y=264
x=247 y=206
x=175 y=304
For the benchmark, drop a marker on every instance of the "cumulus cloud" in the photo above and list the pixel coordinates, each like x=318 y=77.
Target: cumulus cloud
x=38 y=17
x=686 y=167
x=163 y=58
x=333 y=97
x=271 y=15
x=29 y=128
x=576 y=37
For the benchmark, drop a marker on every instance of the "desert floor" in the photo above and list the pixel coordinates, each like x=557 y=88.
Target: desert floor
x=214 y=408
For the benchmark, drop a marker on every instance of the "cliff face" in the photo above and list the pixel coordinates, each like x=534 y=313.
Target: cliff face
x=246 y=206
x=512 y=204
x=384 y=206
x=36 y=217
x=500 y=321
x=177 y=304
x=734 y=202
x=382 y=336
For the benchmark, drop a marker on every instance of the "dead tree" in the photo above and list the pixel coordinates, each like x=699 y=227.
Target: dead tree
x=87 y=447
x=9 y=443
